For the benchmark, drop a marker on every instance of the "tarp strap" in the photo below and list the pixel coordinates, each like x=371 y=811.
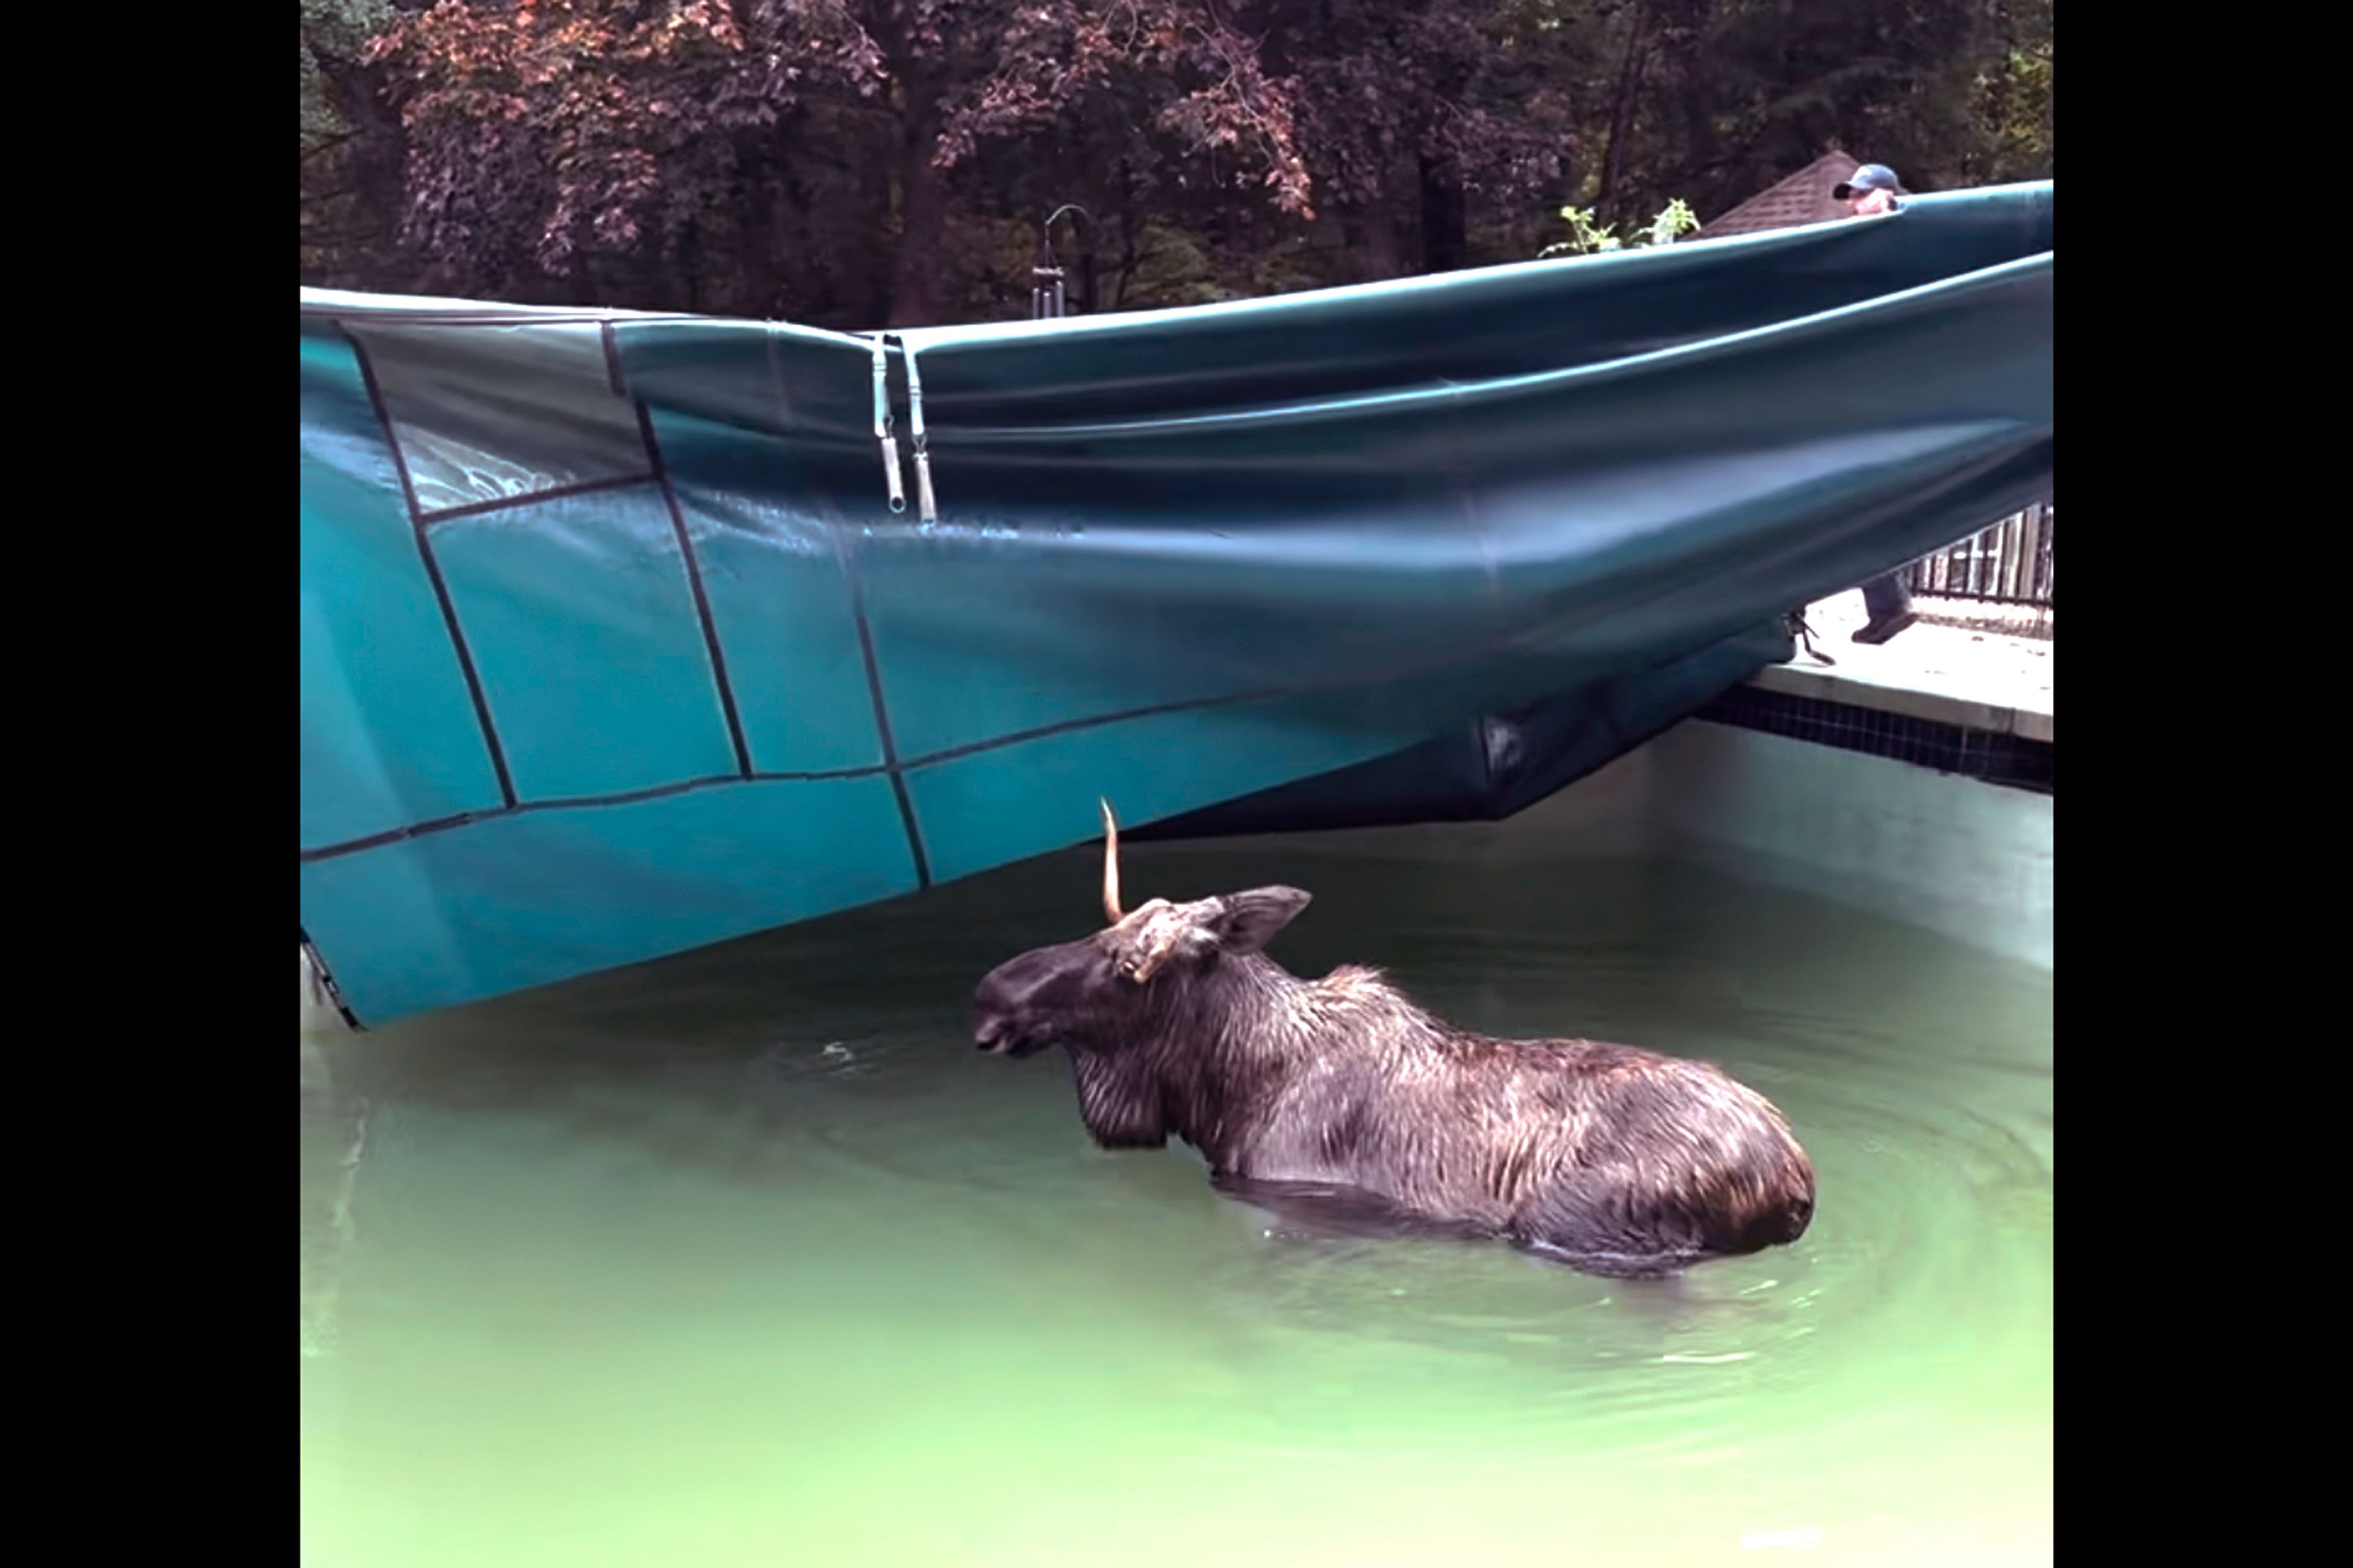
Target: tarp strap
x=883 y=428
x=1796 y=623
x=927 y=506
x=324 y=992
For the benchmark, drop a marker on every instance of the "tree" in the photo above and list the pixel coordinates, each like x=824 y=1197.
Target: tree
x=558 y=130
x=863 y=162
x=353 y=148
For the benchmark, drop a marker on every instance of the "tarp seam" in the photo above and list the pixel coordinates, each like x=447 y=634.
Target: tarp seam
x=433 y=569
x=726 y=688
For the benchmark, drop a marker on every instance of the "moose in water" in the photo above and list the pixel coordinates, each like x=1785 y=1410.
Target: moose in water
x=1342 y=1095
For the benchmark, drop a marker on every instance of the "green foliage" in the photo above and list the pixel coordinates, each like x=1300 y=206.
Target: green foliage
x=861 y=163
x=1586 y=237
x=332 y=31
x=1172 y=268
x=2012 y=97
x=340 y=157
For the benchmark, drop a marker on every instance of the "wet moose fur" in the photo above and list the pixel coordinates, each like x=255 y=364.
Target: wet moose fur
x=1612 y=1160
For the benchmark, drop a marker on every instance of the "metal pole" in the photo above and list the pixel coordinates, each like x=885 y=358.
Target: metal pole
x=1049 y=295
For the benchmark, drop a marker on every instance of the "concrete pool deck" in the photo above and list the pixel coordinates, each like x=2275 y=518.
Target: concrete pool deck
x=1976 y=679
x=1949 y=852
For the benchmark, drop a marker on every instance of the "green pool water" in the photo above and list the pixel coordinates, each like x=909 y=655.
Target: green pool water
x=748 y=1257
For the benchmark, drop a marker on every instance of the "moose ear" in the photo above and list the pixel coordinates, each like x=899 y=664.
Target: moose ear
x=1248 y=921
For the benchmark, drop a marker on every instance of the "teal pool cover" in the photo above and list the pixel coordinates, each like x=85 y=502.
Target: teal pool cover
x=615 y=643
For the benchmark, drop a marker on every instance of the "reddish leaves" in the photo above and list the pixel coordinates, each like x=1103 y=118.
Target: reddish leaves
x=551 y=125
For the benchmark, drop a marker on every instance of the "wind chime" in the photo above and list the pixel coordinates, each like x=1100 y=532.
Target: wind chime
x=1049 y=296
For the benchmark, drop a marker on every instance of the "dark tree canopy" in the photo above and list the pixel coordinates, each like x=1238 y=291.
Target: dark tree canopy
x=858 y=164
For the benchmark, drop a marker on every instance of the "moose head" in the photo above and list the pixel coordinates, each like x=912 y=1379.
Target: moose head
x=1125 y=981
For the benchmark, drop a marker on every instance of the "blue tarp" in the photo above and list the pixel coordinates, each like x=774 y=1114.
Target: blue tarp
x=614 y=645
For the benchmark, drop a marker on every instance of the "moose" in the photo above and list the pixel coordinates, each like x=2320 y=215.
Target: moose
x=1343 y=1095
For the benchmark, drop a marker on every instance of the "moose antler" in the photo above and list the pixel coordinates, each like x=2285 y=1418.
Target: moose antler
x=1111 y=864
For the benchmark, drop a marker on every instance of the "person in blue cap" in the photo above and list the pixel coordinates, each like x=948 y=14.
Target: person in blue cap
x=1870 y=190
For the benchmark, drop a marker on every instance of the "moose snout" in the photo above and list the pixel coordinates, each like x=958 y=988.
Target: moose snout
x=1001 y=1036
x=991 y=1032
x=1005 y=1008
x=994 y=1009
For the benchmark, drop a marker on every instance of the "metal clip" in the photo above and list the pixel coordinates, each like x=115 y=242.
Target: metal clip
x=882 y=428
x=928 y=506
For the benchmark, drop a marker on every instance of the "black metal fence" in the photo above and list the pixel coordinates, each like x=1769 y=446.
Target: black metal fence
x=2007 y=563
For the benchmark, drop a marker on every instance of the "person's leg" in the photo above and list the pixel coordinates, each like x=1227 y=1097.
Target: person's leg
x=1889 y=607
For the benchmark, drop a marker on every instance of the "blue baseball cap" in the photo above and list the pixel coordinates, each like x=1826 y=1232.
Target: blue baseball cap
x=1870 y=177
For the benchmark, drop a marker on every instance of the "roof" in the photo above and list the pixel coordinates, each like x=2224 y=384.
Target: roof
x=1803 y=197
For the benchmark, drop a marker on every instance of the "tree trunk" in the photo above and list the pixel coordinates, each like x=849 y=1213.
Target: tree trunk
x=1621 y=111
x=1387 y=239
x=1128 y=258
x=688 y=252
x=757 y=283
x=1445 y=240
x=374 y=169
x=923 y=213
